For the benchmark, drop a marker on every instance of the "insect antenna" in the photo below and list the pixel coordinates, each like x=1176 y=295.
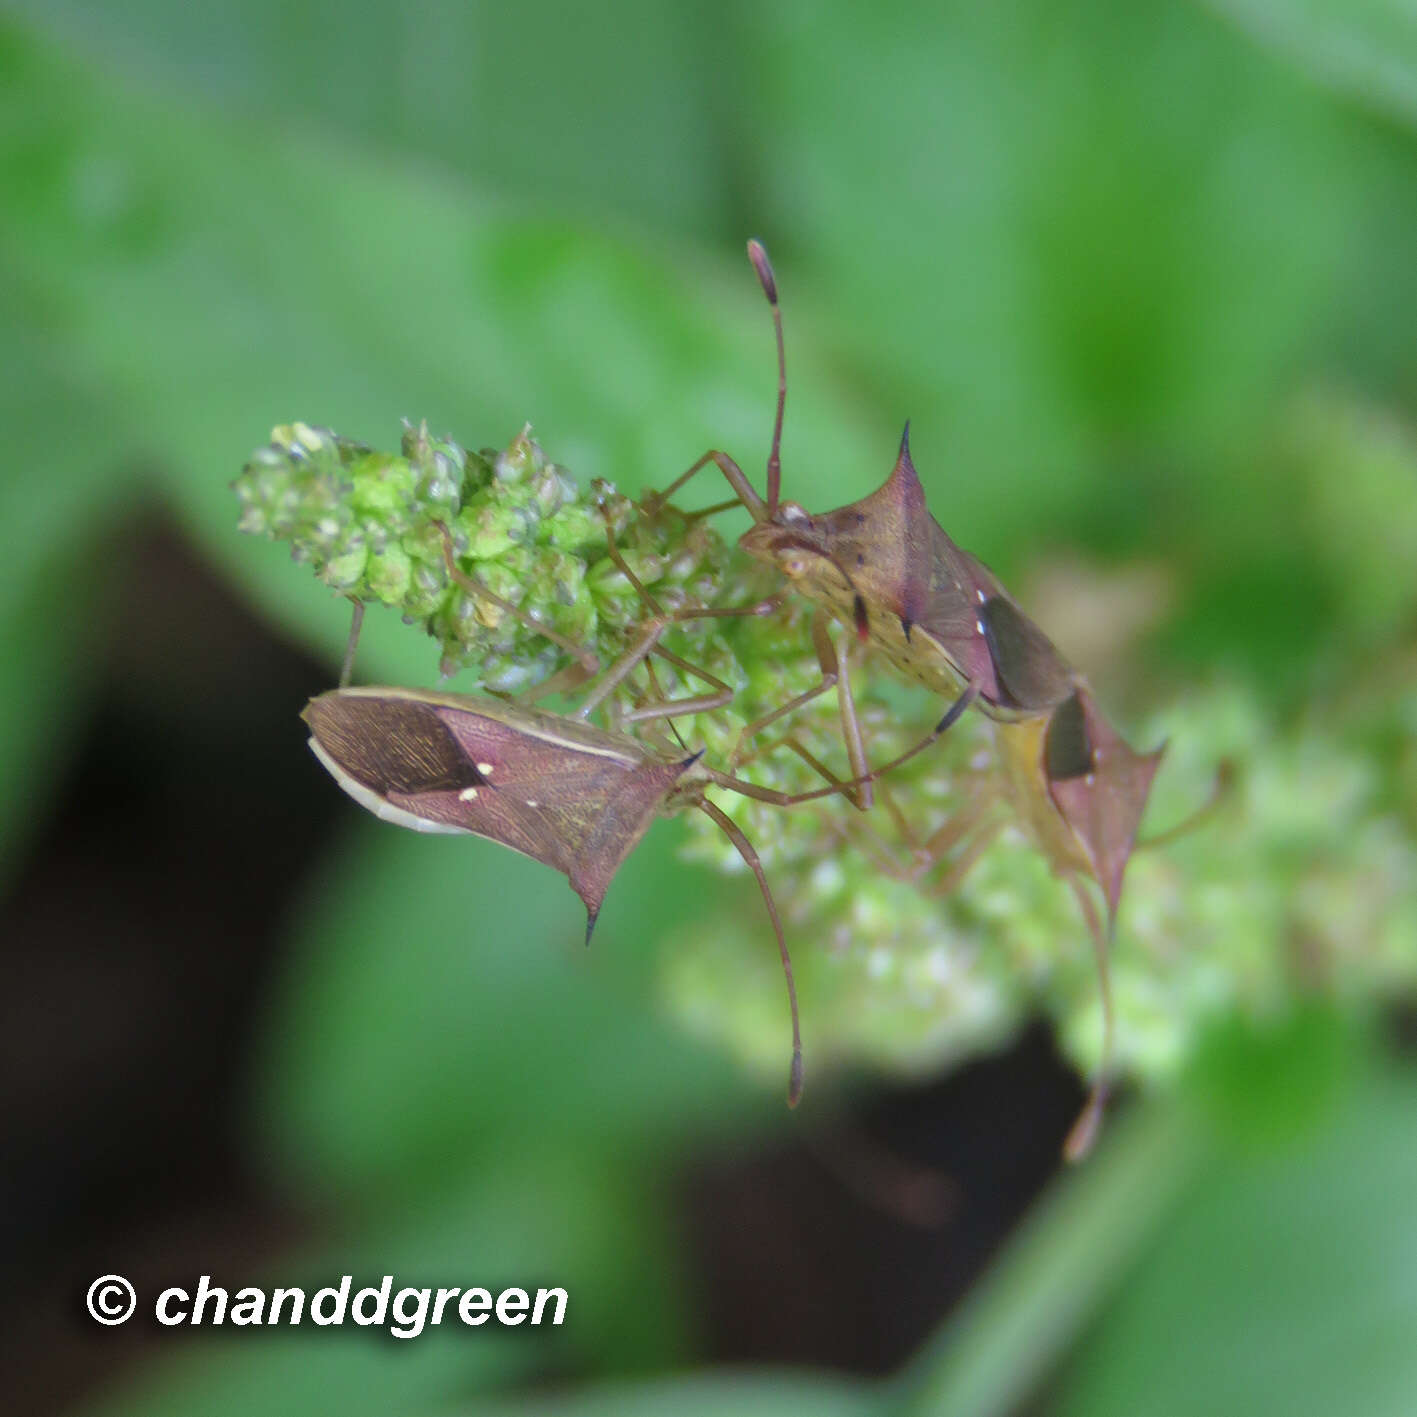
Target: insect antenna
x=744 y=494
x=745 y=849
x=701 y=513
x=759 y=257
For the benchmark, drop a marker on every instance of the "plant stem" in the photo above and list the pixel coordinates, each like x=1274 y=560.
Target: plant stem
x=1058 y=1270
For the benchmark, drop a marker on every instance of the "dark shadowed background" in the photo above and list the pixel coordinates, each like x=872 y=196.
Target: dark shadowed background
x=1124 y=266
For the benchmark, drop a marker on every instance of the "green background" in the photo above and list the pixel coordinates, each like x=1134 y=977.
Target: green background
x=1109 y=258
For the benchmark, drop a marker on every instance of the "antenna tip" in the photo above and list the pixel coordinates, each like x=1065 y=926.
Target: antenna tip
x=757 y=254
x=794 y=1081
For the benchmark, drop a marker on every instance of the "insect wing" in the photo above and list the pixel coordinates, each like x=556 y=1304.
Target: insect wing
x=562 y=793
x=1102 y=805
x=394 y=757
x=585 y=798
x=1030 y=674
x=959 y=588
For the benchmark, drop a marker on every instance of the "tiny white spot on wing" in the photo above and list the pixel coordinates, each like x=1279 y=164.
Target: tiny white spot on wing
x=485 y=769
x=468 y=794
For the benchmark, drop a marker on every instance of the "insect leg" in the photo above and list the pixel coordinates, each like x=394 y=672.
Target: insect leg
x=622 y=668
x=730 y=469
x=706 y=612
x=701 y=513
x=831 y=677
x=563 y=681
x=648 y=643
x=1084 y=1131
x=860 y=833
x=745 y=849
x=865 y=796
x=899 y=820
x=981 y=841
x=791 y=799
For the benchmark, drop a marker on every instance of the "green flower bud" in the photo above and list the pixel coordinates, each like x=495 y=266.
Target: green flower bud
x=521 y=460
x=491 y=530
x=345 y=571
x=389 y=575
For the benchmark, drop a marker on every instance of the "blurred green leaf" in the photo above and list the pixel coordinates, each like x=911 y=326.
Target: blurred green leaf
x=220 y=278
x=387 y=1065
x=477 y=1241
x=1283 y=1282
x=1297 y=565
x=1062 y=238
x=526 y=100
x=1366 y=49
x=1089 y=248
x=68 y=478
x=1265 y=1084
x=1066 y=1261
x=755 y=1394
x=292 y=1375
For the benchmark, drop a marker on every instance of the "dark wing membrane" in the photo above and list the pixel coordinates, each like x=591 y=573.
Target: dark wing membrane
x=391 y=745
x=1032 y=674
x=1067 y=750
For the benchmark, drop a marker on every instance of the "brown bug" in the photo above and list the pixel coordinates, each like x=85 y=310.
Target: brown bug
x=562 y=791
x=886 y=568
x=568 y=794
